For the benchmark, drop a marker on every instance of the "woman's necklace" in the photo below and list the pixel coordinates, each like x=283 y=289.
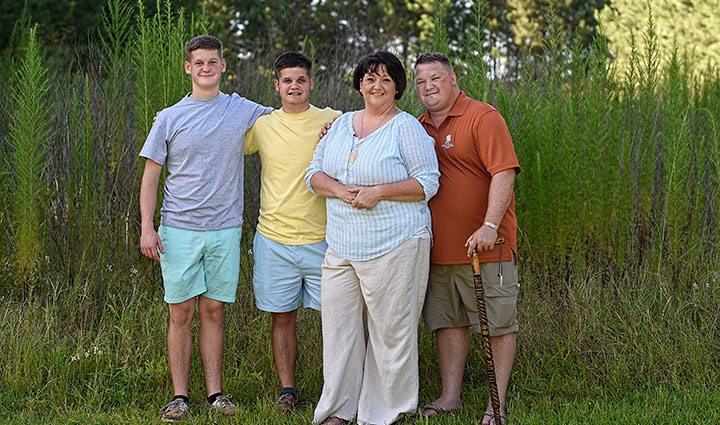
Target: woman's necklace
x=354 y=152
x=378 y=125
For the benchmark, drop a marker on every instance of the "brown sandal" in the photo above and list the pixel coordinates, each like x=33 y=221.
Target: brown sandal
x=433 y=407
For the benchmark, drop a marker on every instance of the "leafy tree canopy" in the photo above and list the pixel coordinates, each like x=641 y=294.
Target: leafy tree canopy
x=525 y=23
x=509 y=28
x=63 y=21
x=281 y=25
x=692 y=26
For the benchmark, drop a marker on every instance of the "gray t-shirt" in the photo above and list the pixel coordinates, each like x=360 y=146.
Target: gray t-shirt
x=201 y=141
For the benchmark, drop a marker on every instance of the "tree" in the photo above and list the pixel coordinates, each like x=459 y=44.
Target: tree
x=690 y=25
x=357 y=24
x=66 y=21
x=528 y=20
x=519 y=27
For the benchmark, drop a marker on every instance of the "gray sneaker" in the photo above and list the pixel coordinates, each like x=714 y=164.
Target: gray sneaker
x=175 y=411
x=223 y=404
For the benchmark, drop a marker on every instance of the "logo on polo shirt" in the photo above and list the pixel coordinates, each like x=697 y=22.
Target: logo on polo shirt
x=448 y=142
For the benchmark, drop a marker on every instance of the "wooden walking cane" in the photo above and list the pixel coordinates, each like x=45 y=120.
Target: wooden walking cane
x=485 y=333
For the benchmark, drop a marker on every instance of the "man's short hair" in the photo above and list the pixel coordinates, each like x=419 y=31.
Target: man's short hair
x=434 y=57
x=292 y=60
x=371 y=63
x=203 y=42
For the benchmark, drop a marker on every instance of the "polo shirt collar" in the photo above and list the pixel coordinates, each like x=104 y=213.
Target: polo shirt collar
x=461 y=104
x=459 y=107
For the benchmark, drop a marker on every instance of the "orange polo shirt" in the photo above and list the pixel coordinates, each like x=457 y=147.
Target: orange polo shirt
x=472 y=144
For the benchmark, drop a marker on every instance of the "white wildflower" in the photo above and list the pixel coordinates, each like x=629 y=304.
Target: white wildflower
x=695 y=286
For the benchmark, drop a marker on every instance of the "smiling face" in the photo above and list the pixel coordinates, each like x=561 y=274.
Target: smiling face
x=205 y=67
x=294 y=86
x=436 y=86
x=378 y=88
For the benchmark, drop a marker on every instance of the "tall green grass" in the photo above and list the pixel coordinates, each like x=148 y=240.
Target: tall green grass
x=29 y=134
x=158 y=54
x=617 y=206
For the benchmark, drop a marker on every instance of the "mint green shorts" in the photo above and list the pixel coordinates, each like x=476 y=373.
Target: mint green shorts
x=203 y=263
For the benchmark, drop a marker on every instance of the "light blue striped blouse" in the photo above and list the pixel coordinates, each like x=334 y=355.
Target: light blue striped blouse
x=395 y=152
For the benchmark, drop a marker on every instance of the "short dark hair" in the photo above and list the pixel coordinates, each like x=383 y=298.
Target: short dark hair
x=434 y=57
x=292 y=60
x=371 y=63
x=203 y=42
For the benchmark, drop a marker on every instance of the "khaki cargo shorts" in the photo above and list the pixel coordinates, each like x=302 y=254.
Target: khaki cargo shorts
x=450 y=299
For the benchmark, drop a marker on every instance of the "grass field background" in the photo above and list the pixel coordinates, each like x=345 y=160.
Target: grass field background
x=617 y=207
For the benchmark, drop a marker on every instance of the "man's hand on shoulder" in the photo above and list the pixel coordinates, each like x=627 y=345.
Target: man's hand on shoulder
x=483 y=239
x=150 y=243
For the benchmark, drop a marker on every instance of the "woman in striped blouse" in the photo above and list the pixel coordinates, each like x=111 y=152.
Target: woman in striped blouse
x=377 y=168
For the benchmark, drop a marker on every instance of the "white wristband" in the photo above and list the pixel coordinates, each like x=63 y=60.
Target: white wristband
x=490 y=225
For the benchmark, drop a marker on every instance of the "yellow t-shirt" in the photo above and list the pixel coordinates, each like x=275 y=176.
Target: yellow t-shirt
x=289 y=212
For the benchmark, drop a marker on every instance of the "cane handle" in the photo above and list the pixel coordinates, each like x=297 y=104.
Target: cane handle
x=476 y=261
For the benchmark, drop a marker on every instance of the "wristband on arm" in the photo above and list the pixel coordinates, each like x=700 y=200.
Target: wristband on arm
x=490 y=225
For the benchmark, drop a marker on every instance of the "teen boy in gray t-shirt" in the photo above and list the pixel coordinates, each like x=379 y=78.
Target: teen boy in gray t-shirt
x=201 y=141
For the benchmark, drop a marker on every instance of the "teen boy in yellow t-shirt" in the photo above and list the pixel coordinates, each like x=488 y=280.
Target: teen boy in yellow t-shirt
x=289 y=244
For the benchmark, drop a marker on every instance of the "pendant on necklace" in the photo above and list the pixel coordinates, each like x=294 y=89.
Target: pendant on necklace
x=352 y=157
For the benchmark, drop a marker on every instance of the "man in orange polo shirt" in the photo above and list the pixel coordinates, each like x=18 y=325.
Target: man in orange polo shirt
x=473 y=207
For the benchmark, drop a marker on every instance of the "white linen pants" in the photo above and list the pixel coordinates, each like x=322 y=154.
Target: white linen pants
x=370 y=314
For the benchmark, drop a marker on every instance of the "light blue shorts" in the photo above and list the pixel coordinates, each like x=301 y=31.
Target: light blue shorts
x=200 y=263
x=285 y=273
